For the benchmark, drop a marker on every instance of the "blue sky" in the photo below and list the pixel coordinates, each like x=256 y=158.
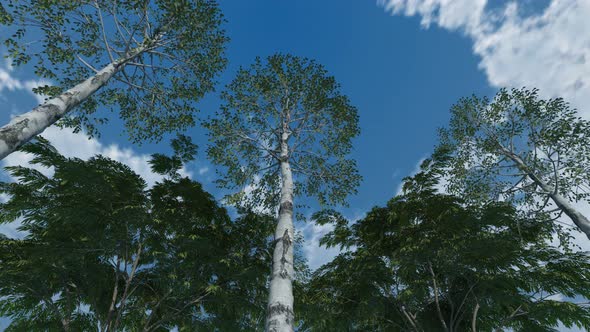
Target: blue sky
x=401 y=77
x=403 y=64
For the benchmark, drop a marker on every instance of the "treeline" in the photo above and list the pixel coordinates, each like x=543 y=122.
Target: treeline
x=466 y=247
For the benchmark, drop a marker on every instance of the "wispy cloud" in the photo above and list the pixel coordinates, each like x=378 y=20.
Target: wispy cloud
x=78 y=145
x=203 y=170
x=315 y=254
x=9 y=82
x=549 y=50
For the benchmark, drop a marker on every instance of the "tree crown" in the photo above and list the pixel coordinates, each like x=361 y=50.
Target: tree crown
x=290 y=100
x=173 y=49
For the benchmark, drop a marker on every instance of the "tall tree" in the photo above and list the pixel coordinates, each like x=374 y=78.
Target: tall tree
x=151 y=60
x=284 y=129
x=521 y=148
x=102 y=252
x=431 y=262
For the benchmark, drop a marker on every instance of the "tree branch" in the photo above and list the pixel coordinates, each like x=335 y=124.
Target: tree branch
x=435 y=287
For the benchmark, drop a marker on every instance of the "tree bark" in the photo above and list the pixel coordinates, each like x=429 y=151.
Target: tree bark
x=562 y=203
x=280 y=315
x=474 y=318
x=24 y=127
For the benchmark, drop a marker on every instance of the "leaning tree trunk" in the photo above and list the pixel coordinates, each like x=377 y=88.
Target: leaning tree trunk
x=24 y=127
x=562 y=203
x=280 y=315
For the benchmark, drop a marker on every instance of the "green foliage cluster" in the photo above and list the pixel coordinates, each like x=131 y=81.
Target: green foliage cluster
x=102 y=251
x=431 y=262
x=504 y=147
x=285 y=95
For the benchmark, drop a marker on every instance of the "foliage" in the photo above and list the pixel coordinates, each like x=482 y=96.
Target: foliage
x=102 y=251
x=496 y=147
x=297 y=97
x=428 y=258
x=181 y=45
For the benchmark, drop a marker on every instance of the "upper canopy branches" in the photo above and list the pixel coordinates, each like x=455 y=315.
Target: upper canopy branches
x=167 y=54
x=286 y=109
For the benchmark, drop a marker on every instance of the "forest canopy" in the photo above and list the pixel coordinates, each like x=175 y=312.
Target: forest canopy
x=272 y=228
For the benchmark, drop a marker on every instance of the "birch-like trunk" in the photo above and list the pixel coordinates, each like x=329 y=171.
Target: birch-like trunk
x=280 y=315
x=562 y=203
x=24 y=127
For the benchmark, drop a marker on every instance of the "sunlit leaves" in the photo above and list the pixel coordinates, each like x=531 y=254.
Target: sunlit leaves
x=485 y=137
x=488 y=261
x=172 y=51
x=297 y=96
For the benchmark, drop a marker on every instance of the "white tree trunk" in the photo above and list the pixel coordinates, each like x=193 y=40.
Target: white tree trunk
x=578 y=218
x=24 y=127
x=280 y=315
x=562 y=203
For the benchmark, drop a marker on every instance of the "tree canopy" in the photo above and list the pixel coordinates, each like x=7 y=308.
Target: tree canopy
x=520 y=148
x=431 y=262
x=103 y=252
x=295 y=96
x=285 y=130
x=148 y=60
x=99 y=249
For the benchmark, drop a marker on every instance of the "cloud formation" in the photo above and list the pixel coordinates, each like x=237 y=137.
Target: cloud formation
x=549 y=50
x=9 y=83
x=315 y=254
x=78 y=145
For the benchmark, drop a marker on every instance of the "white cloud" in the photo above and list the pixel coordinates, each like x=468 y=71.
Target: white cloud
x=10 y=83
x=8 y=64
x=7 y=82
x=203 y=170
x=549 y=51
x=317 y=256
x=30 y=85
x=78 y=145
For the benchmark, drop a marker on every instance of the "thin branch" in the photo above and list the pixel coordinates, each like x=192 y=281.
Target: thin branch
x=435 y=287
x=112 y=307
x=127 y=285
x=104 y=35
x=151 y=315
x=474 y=318
x=409 y=318
x=87 y=64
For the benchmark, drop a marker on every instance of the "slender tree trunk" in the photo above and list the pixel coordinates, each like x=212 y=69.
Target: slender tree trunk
x=474 y=318
x=280 y=315
x=578 y=218
x=24 y=127
x=562 y=203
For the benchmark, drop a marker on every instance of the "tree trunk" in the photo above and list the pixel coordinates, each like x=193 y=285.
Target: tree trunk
x=578 y=218
x=280 y=315
x=24 y=127
x=562 y=203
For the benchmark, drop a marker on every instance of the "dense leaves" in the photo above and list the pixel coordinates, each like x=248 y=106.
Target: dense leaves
x=284 y=130
x=431 y=262
x=169 y=52
x=295 y=96
x=102 y=251
x=521 y=148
